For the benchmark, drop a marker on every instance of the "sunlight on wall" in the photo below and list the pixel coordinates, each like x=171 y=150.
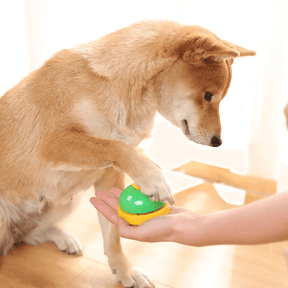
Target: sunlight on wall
x=14 y=47
x=63 y=24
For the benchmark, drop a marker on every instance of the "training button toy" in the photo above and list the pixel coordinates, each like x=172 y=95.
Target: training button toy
x=136 y=207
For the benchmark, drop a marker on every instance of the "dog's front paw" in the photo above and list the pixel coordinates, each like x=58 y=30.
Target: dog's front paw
x=133 y=277
x=68 y=243
x=156 y=186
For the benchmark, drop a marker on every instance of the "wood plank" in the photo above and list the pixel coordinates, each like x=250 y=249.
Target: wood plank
x=249 y=198
x=247 y=273
x=39 y=266
x=223 y=175
x=202 y=198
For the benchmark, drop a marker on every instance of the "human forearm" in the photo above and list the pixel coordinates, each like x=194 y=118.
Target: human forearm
x=263 y=221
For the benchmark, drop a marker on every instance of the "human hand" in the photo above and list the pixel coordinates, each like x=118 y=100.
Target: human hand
x=163 y=228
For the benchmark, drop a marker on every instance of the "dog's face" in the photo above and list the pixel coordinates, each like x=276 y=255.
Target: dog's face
x=192 y=89
x=191 y=95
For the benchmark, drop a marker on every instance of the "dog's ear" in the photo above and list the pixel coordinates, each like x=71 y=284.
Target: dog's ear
x=217 y=49
x=243 y=51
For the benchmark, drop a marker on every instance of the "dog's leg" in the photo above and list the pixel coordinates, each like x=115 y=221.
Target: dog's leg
x=73 y=148
x=45 y=233
x=119 y=264
x=32 y=222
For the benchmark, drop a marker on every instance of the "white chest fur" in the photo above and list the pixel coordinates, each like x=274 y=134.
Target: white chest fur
x=117 y=129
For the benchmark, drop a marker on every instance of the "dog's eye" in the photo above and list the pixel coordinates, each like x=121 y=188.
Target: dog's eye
x=208 y=96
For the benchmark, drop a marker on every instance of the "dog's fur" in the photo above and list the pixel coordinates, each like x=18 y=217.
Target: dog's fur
x=76 y=121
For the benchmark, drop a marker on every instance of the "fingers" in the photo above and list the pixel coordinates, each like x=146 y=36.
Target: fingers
x=108 y=206
x=109 y=200
x=116 y=192
x=107 y=211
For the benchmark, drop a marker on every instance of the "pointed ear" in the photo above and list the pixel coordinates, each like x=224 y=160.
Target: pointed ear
x=243 y=51
x=218 y=50
x=205 y=47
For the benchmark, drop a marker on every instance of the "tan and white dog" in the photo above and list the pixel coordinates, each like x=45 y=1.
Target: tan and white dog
x=76 y=121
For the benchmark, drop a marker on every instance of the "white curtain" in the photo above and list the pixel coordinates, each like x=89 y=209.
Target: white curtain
x=253 y=124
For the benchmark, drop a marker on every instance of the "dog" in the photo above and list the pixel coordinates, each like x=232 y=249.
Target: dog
x=76 y=121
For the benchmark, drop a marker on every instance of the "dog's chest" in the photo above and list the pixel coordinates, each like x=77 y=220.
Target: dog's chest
x=128 y=130
x=63 y=185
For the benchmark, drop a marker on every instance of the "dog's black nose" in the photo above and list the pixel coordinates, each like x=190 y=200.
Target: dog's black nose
x=216 y=141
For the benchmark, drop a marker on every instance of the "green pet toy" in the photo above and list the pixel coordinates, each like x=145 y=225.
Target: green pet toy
x=136 y=207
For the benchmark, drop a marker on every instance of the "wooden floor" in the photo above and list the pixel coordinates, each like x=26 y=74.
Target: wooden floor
x=169 y=264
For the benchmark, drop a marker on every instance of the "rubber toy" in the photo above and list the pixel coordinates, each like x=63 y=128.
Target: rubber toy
x=136 y=207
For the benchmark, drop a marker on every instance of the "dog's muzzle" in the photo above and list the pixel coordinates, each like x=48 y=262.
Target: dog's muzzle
x=200 y=138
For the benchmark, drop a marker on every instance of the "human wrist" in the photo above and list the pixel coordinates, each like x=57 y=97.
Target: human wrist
x=190 y=229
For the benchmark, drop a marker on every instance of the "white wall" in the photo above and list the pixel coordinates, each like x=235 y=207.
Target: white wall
x=14 y=61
